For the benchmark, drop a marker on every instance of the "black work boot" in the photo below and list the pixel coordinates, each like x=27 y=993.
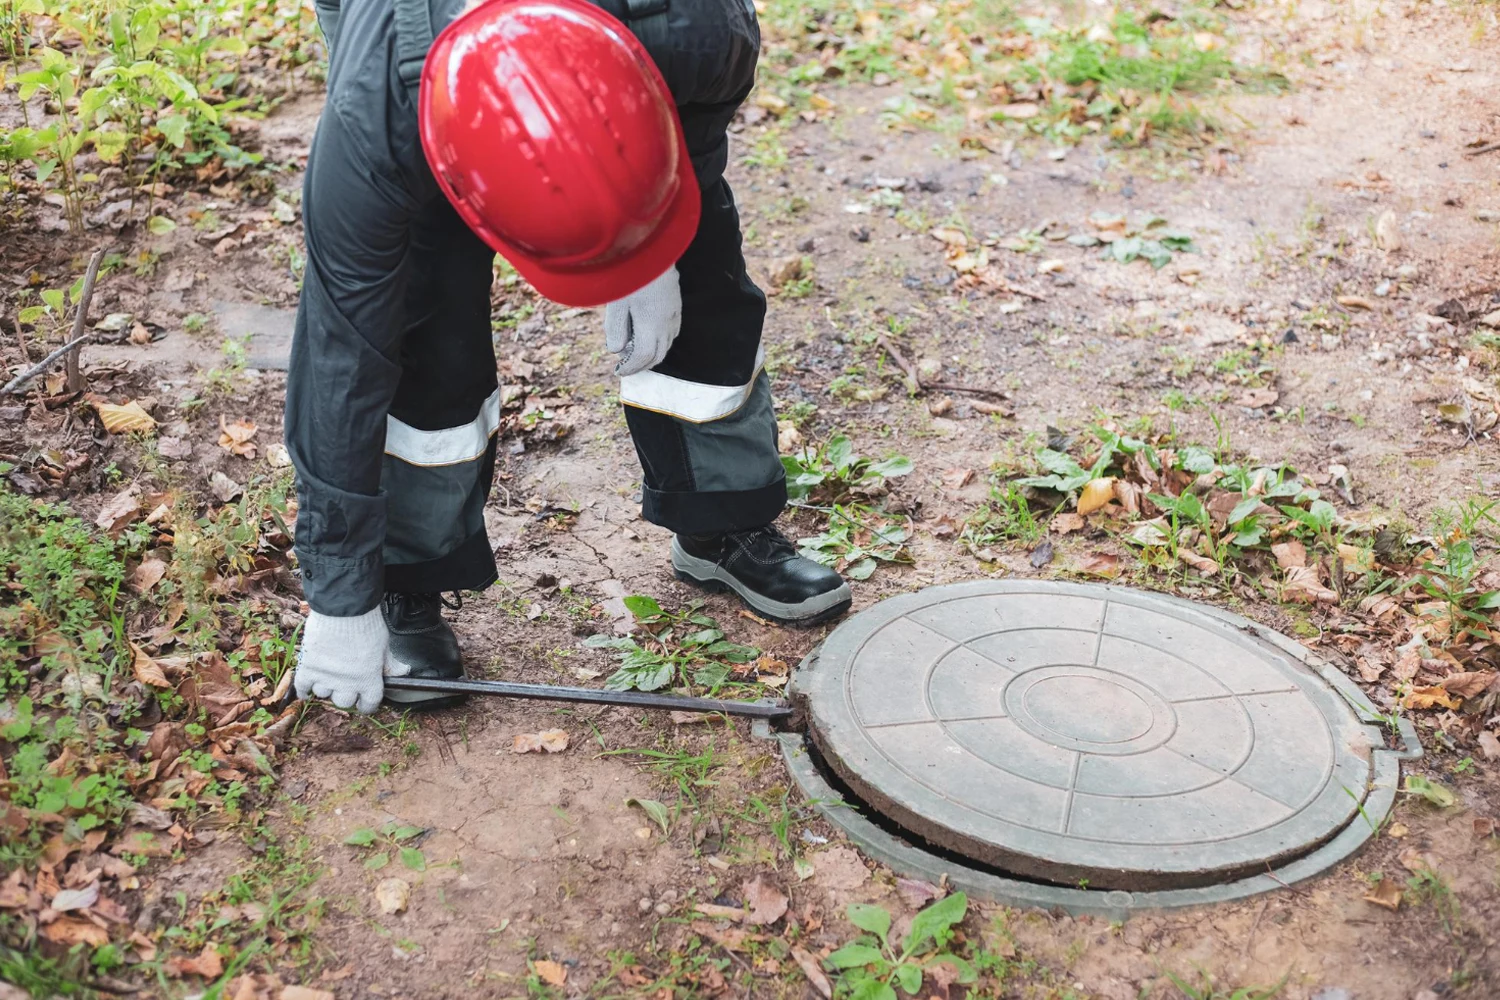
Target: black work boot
x=765 y=570
x=421 y=639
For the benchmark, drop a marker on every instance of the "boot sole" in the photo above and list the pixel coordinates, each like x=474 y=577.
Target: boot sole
x=711 y=577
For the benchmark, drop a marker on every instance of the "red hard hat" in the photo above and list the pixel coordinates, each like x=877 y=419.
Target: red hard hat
x=553 y=133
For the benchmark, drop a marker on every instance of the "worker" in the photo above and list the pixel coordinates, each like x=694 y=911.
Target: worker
x=587 y=145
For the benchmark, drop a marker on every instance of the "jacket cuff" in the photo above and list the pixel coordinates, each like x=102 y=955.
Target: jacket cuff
x=341 y=588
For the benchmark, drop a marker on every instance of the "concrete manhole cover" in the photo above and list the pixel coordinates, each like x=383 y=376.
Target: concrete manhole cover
x=1087 y=736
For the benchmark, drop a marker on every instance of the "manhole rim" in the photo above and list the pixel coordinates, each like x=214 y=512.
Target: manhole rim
x=1380 y=791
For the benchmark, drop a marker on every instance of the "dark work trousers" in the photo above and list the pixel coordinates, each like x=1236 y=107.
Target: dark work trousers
x=392 y=399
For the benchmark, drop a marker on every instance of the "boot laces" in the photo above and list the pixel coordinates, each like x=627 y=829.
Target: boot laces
x=766 y=543
x=423 y=601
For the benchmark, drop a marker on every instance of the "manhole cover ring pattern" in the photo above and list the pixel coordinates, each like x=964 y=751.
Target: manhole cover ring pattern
x=1082 y=734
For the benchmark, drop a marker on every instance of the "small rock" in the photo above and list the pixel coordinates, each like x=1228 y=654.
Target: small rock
x=643 y=904
x=1387 y=231
x=1383 y=289
x=1406 y=272
x=860 y=234
x=1491 y=320
x=1488 y=215
x=12 y=414
x=807 y=245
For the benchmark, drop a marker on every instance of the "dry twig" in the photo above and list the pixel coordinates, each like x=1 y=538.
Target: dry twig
x=919 y=387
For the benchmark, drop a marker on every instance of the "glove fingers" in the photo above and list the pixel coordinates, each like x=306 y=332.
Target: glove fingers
x=368 y=702
x=395 y=668
x=321 y=689
x=616 y=326
x=302 y=684
x=345 y=698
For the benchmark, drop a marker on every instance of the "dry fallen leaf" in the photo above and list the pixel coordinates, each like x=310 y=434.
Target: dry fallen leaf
x=1355 y=302
x=147 y=575
x=1066 y=524
x=76 y=899
x=551 y=973
x=840 y=868
x=1096 y=493
x=809 y=966
x=916 y=893
x=1386 y=893
x=392 y=895
x=235 y=438
x=1428 y=697
x=1469 y=684
x=1204 y=565
x=174 y=448
x=950 y=236
x=1302 y=584
x=1020 y=110
x=1290 y=555
x=768 y=904
x=75 y=930
x=1101 y=564
x=223 y=487
x=209 y=964
x=147 y=670
x=1489 y=745
x=1256 y=398
x=121 y=509
x=957 y=479
x=550 y=740
x=305 y=993
x=125 y=418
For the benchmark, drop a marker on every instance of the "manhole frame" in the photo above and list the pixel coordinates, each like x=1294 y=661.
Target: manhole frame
x=913 y=860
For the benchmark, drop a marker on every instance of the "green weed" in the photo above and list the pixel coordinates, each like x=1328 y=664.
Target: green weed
x=834 y=470
x=871 y=966
x=686 y=646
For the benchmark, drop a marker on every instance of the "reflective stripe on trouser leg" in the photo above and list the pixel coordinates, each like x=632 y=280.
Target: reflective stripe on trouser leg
x=711 y=476
x=440 y=432
x=436 y=483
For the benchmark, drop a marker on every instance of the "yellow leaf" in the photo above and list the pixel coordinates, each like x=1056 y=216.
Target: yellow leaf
x=125 y=418
x=1429 y=697
x=551 y=973
x=1386 y=893
x=1096 y=494
x=550 y=740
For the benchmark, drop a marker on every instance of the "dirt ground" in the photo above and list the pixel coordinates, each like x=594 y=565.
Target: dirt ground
x=538 y=858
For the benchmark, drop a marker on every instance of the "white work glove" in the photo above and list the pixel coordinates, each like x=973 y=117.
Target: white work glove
x=640 y=327
x=345 y=660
